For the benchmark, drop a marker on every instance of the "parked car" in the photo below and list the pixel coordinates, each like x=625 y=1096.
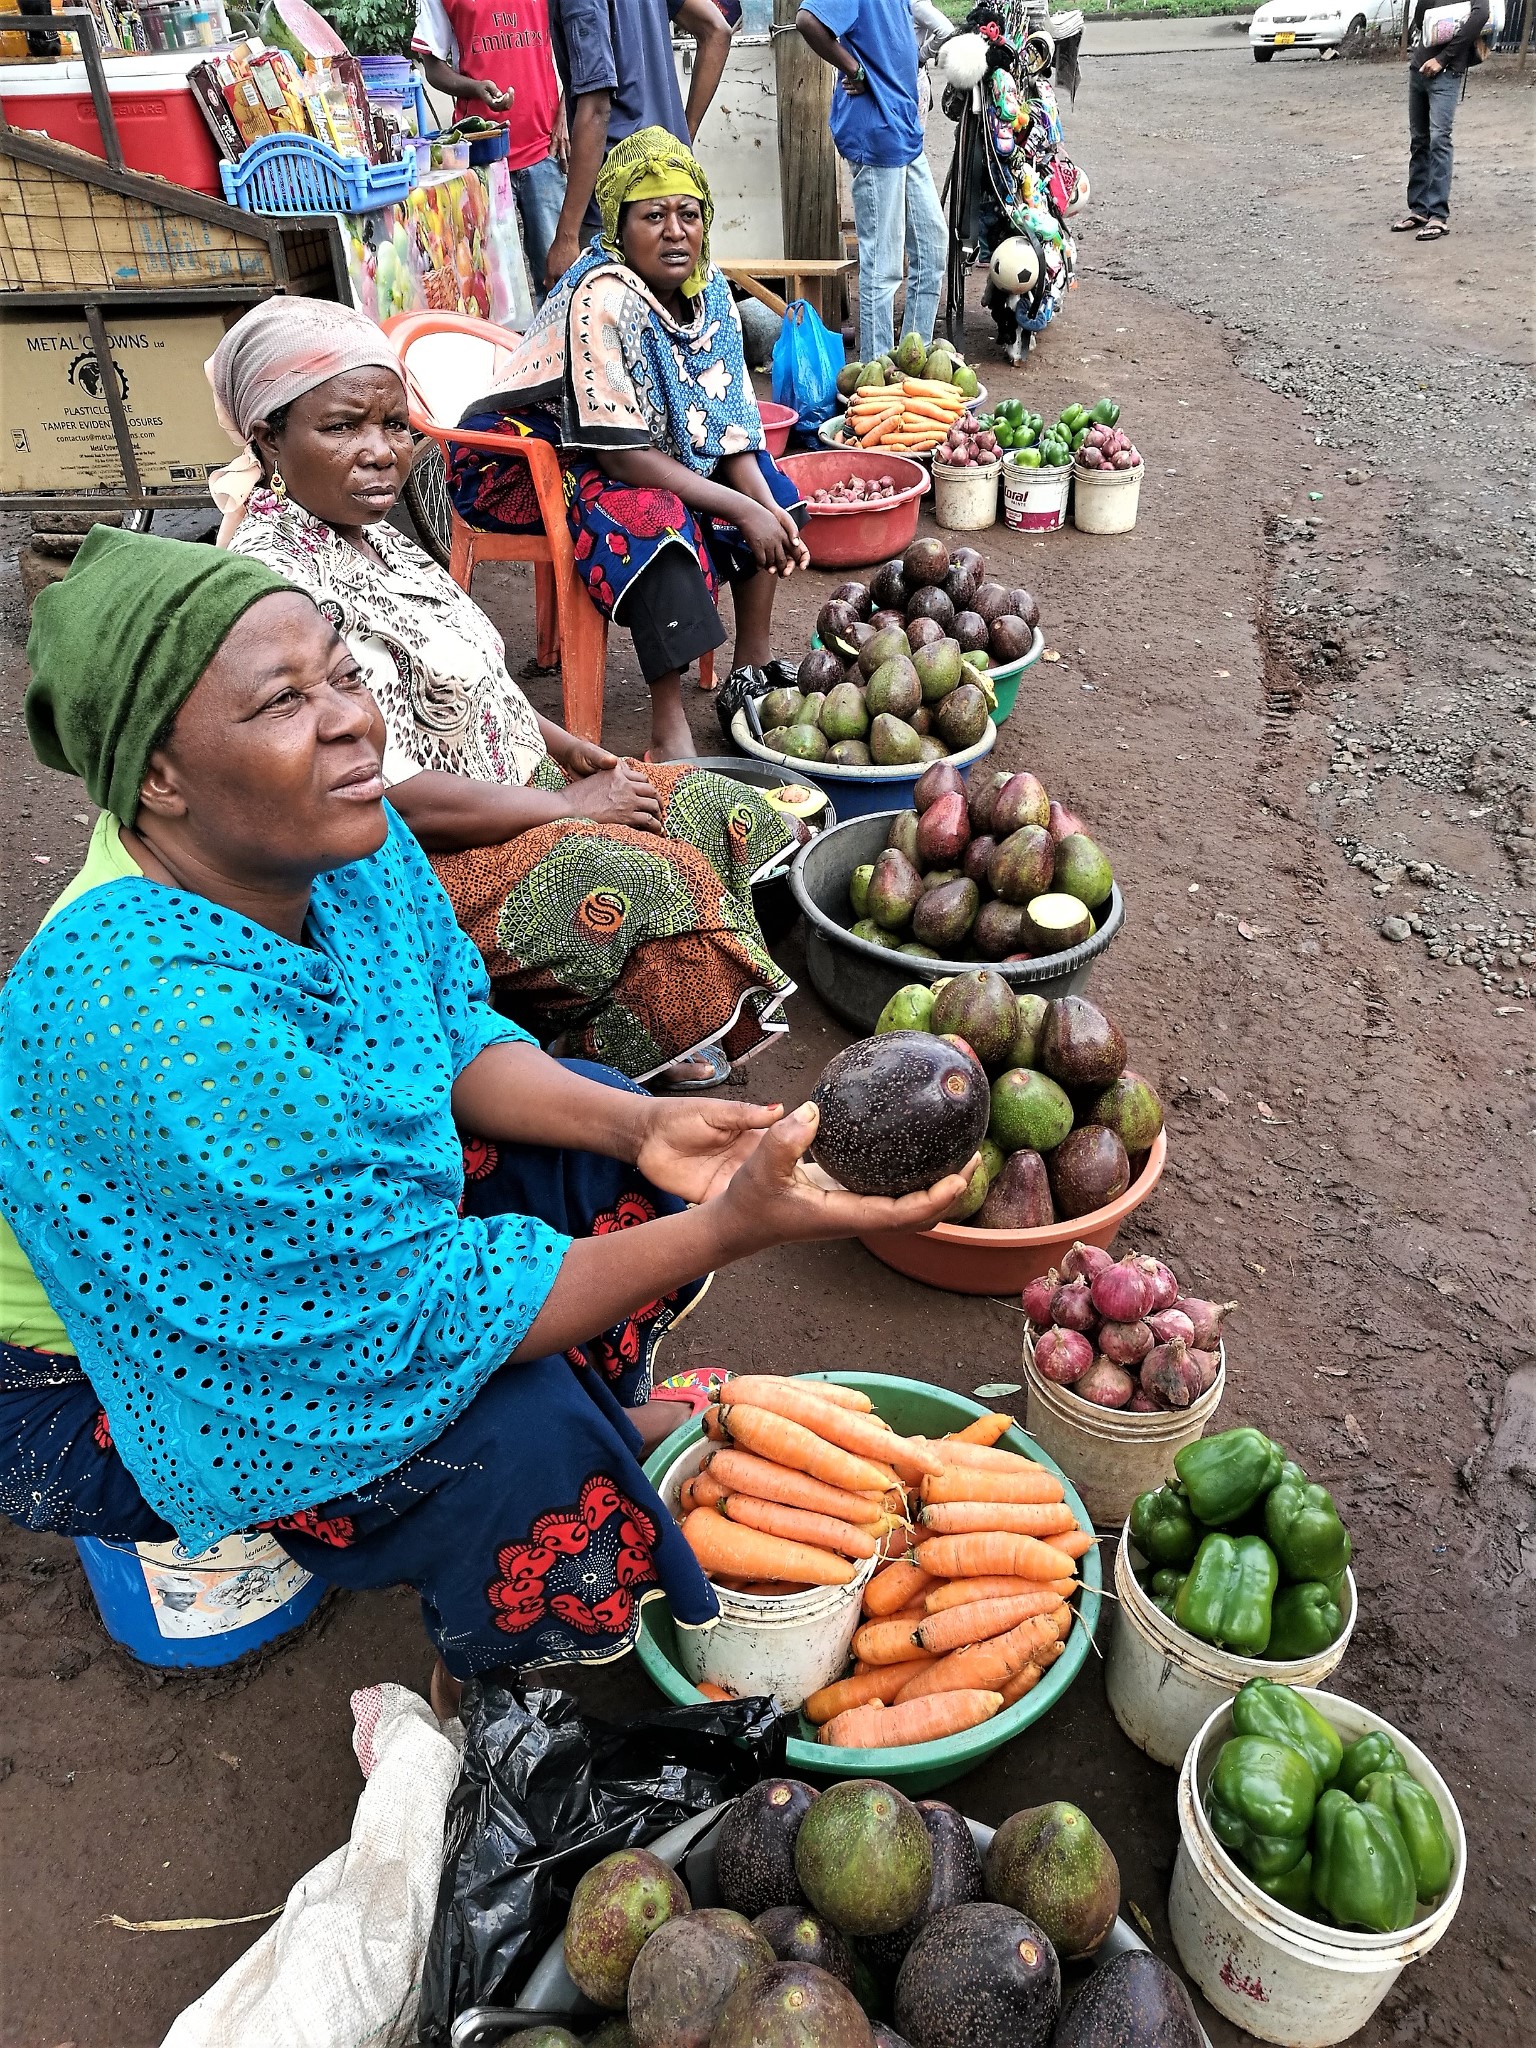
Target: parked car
x=1319 y=25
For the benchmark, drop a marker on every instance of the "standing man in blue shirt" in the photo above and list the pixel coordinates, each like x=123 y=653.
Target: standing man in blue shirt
x=614 y=58
x=878 y=130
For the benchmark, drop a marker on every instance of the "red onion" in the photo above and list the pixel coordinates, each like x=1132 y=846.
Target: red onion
x=1106 y=1384
x=1063 y=1356
x=1125 y=1343
x=1207 y=1317
x=1161 y=1282
x=1208 y=1364
x=1170 y=1323
x=1142 y=1404
x=1037 y=1298
x=1120 y=1293
x=1170 y=1375
x=1085 y=1262
x=1072 y=1307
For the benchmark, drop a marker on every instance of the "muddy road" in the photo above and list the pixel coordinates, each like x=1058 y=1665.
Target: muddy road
x=1296 y=704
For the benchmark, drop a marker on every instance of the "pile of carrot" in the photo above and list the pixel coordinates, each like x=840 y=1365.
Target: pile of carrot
x=910 y=417
x=805 y=1483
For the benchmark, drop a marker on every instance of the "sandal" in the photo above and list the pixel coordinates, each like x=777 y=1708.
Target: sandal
x=1408 y=223
x=673 y=1081
x=1433 y=231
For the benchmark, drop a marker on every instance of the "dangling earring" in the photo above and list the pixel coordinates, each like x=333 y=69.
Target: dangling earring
x=276 y=485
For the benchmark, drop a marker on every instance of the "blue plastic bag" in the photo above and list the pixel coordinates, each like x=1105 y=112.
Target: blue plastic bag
x=807 y=358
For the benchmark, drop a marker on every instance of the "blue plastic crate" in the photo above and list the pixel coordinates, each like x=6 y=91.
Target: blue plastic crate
x=297 y=174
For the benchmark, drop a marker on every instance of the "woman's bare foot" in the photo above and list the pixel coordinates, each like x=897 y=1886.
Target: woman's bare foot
x=657 y=1420
x=671 y=739
x=445 y=1692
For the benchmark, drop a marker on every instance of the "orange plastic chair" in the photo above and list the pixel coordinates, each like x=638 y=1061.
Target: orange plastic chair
x=568 y=626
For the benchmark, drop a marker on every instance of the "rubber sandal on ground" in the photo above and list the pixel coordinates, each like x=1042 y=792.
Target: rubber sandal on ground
x=1433 y=231
x=1409 y=224
x=674 y=1080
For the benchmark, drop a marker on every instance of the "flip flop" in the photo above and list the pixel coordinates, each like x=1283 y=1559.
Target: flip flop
x=1408 y=223
x=671 y=1082
x=694 y=1389
x=1433 y=231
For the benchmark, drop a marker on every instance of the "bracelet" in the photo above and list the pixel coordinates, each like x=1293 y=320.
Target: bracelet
x=855 y=78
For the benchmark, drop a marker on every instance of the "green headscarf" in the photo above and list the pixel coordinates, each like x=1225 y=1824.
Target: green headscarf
x=652 y=164
x=116 y=648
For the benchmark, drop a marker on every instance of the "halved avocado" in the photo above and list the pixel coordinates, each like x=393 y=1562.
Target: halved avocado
x=796 y=799
x=1056 y=922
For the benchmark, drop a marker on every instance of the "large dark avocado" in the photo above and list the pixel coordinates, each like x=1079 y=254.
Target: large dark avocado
x=686 y=1972
x=1132 y=2001
x=1052 y=1863
x=956 y=1881
x=797 y=1935
x=792 y=2005
x=898 y=1112
x=863 y=1857
x=1079 y=1046
x=979 y=1976
x=755 y=1848
x=1089 y=1168
x=983 y=1009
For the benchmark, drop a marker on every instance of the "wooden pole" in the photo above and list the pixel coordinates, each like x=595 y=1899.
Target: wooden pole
x=807 y=159
x=1525 y=33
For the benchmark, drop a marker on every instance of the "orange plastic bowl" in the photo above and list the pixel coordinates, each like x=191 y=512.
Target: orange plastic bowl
x=964 y=1260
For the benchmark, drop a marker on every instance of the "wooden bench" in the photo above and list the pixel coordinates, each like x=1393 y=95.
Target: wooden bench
x=820 y=280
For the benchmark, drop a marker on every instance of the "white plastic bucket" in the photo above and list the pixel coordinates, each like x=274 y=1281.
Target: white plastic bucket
x=1105 y=500
x=789 y=1646
x=1109 y=1454
x=1272 y=1972
x=965 y=500
x=1164 y=1684
x=1035 y=500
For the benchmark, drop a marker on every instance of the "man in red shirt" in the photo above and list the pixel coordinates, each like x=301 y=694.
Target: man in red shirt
x=494 y=57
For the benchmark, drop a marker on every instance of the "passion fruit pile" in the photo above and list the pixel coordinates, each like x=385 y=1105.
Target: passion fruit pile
x=902 y=674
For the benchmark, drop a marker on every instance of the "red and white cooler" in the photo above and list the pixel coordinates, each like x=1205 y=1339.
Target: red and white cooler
x=158 y=120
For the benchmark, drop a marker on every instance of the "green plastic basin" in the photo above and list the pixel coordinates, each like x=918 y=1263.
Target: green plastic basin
x=914 y=1408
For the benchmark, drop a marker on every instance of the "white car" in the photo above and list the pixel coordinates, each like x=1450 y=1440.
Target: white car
x=1318 y=24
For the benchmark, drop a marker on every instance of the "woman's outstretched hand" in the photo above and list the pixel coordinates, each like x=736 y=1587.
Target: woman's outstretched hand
x=693 y=1149
x=772 y=1200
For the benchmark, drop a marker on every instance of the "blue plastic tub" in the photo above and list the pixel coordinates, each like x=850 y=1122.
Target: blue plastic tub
x=173 y=1607
x=296 y=174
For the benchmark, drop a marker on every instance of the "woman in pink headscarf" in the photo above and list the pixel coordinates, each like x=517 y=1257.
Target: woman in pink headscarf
x=610 y=899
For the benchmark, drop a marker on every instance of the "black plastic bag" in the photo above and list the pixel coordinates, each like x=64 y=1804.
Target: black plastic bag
x=543 y=1794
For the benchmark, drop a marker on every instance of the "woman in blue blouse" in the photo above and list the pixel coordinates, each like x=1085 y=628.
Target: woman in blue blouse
x=237 y=1063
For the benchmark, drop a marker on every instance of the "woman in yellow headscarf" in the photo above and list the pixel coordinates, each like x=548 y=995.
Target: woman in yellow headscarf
x=634 y=368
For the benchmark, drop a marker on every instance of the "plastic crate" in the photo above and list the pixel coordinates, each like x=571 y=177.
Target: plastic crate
x=297 y=174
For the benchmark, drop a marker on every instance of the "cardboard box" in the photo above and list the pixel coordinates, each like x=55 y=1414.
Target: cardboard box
x=57 y=433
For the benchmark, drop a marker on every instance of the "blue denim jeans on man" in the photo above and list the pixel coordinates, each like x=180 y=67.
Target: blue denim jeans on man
x=896 y=212
x=1431 y=110
x=540 y=193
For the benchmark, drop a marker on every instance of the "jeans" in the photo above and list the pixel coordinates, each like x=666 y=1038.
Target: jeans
x=1431 y=110
x=540 y=194
x=896 y=211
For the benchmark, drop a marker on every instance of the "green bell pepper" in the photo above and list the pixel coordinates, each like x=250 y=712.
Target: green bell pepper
x=1413 y=1807
x=1260 y=1800
x=1303 y=1528
x=1307 y=1618
x=1224 y=1475
x=1072 y=415
x=1228 y=1595
x=1106 y=413
x=1079 y=436
x=1025 y=433
x=1163 y=1589
x=1003 y=430
x=1162 y=1528
x=1057 y=455
x=1374 y=1752
x=1028 y=458
x=1292 y=1887
x=1012 y=410
x=1361 y=1870
x=1265 y=1708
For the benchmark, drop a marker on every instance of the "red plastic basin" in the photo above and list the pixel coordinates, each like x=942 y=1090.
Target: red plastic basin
x=779 y=421
x=855 y=536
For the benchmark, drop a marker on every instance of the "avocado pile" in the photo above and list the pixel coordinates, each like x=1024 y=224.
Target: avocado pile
x=912 y=357
x=996 y=872
x=902 y=674
x=1068 y=1126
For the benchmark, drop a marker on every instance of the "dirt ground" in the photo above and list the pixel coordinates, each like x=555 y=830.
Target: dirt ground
x=1294 y=706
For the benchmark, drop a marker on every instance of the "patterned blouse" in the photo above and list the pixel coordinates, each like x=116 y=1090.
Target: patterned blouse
x=433 y=660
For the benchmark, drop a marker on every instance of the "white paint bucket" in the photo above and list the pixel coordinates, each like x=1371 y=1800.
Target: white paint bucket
x=1164 y=1684
x=1109 y=1454
x=1272 y=1972
x=789 y=1646
x=1035 y=500
x=1105 y=500
x=965 y=500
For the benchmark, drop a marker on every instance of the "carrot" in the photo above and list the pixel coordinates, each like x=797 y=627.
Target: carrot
x=930 y=387
x=826 y=1390
x=714 y=1425
x=893 y=1588
x=985 y=1430
x=946 y=1593
x=961 y=1517
x=774 y=1519
x=929 y=409
x=711 y=1691
x=742 y=1472
x=880 y=1682
x=886 y=1642
x=1078 y=1544
x=1003 y=1556
x=859 y=1434
x=896 y=1542
x=785 y=1442
x=768 y=1589
x=953 y=1450
x=1022 y=1682
x=914 y=1720
x=722 y=1546
x=993 y=1662
x=971 y=1482
x=979 y=1620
